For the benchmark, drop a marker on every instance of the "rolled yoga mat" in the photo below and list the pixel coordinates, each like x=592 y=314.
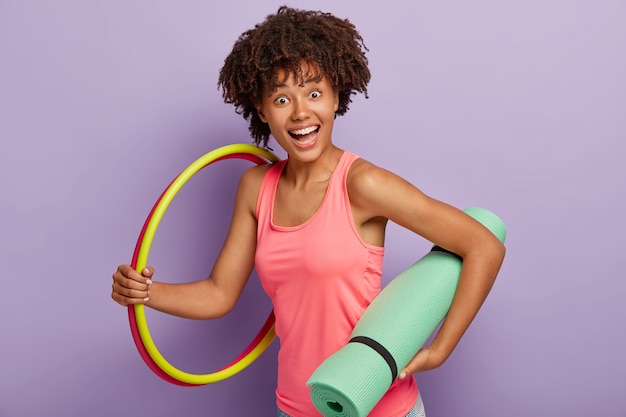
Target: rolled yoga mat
x=391 y=331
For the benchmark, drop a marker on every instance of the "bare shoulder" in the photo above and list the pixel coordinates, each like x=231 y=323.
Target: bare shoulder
x=377 y=191
x=368 y=183
x=253 y=176
x=365 y=177
x=250 y=184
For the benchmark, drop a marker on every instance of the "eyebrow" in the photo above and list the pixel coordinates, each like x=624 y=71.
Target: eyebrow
x=312 y=79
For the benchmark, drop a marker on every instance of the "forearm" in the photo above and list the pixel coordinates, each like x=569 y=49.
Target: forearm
x=200 y=300
x=477 y=277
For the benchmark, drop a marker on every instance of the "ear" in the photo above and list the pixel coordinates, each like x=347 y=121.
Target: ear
x=336 y=101
x=259 y=111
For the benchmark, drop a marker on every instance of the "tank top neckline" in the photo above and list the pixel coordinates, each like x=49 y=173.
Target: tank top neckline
x=331 y=181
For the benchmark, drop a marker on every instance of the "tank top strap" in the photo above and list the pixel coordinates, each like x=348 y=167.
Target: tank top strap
x=269 y=184
x=336 y=208
x=344 y=164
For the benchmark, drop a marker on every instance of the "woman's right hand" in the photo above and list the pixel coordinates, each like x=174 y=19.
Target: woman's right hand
x=131 y=287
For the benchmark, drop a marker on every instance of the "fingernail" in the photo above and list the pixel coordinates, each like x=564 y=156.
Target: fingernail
x=149 y=282
x=146 y=271
x=145 y=300
x=403 y=375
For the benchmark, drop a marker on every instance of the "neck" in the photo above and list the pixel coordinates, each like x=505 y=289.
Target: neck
x=300 y=172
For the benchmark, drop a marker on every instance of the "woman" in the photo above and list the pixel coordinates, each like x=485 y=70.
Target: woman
x=314 y=223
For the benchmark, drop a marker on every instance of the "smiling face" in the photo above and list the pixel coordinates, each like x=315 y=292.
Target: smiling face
x=301 y=113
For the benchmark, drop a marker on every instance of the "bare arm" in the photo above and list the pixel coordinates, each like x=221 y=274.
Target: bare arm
x=216 y=295
x=375 y=192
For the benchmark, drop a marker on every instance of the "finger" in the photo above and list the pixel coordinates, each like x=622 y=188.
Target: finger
x=125 y=274
x=127 y=292
x=147 y=272
x=130 y=283
x=415 y=365
x=126 y=301
x=405 y=372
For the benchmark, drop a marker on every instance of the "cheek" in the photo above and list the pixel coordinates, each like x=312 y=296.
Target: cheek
x=275 y=117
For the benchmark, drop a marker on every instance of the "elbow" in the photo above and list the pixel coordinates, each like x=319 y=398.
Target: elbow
x=217 y=310
x=489 y=248
x=489 y=254
x=492 y=248
x=216 y=306
x=222 y=311
x=499 y=252
x=495 y=253
x=210 y=313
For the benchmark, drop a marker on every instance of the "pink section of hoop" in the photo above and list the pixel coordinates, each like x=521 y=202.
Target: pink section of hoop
x=131 y=311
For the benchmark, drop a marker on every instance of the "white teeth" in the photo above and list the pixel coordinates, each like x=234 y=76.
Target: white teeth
x=304 y=131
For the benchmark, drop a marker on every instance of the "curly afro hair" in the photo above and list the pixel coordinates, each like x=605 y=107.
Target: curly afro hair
x=283 y=41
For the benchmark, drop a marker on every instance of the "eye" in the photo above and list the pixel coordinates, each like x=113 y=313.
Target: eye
x=315 y=94
x=281 y=100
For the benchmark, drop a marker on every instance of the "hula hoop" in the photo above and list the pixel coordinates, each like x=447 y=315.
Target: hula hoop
x=136 y=313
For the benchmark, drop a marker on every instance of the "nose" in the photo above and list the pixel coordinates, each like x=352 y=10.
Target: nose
x=301 y=110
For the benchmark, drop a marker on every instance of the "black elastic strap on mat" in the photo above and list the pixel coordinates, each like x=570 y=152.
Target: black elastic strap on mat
x=440 y=249
x=381 y=350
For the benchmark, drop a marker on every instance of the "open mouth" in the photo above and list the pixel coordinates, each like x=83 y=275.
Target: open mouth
x=305 y=136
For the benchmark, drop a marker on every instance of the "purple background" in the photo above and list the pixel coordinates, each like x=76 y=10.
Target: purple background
x=518 y=107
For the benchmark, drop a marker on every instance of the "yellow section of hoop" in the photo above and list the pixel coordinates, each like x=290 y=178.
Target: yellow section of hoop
x=142 y=260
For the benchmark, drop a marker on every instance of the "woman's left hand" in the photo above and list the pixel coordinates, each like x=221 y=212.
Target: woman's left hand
x=425 y=360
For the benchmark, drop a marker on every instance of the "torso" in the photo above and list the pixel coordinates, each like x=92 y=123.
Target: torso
x=315 y=261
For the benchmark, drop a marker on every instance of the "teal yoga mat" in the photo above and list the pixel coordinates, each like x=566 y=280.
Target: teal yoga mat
x=391 y=331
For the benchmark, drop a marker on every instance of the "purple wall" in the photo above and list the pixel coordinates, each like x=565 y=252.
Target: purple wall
x=518 y=107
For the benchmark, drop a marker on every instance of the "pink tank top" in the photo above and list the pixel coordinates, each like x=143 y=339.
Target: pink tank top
x=320 y=276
